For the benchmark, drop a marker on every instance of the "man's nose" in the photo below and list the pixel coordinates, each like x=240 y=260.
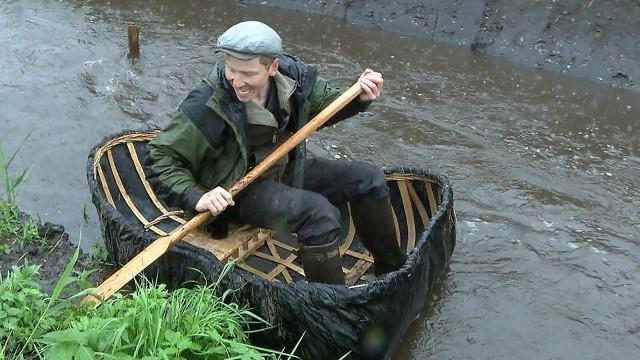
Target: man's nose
x=237 y=81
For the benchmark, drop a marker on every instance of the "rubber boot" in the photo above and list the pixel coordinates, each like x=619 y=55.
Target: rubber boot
x=374 y=224
x=321 y=263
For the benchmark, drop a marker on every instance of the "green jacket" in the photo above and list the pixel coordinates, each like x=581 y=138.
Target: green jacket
x=205 y=144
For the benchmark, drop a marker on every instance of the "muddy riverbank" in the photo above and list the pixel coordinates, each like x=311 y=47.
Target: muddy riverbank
x=51 y=252
x=597 y=40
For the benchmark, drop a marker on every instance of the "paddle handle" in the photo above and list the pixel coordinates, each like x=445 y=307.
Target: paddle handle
x=161 y=245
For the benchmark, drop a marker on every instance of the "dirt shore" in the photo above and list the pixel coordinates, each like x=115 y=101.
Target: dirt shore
x=597 y=40
x=52 y=253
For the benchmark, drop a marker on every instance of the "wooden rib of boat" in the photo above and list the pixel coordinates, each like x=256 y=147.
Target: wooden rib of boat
x=367 y=318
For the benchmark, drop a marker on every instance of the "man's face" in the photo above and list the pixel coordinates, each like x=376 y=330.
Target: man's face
x=249 y=78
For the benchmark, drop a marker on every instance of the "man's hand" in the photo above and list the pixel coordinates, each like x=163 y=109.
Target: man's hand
x=215 y=201
x=371 y=83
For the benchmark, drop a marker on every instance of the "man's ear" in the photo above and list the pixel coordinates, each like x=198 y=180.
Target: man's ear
x=273 y=68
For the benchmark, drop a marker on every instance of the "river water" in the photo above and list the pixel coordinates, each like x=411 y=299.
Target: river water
x=544 y=168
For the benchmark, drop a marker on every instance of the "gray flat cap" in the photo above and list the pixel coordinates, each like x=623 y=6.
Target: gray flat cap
x=249 y=39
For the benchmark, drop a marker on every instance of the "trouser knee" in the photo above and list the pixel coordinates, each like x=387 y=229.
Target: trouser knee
x=321 y=224
x=372 y=184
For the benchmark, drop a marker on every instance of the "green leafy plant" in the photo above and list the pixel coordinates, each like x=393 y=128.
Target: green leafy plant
x=82 y=281
x=150 y=323
x=27 y=313
x=99 y=254
x=155 y=323
x=20 y=315
x=5 y=248
x=18 y=293
x=11 y=185
x=57 y=310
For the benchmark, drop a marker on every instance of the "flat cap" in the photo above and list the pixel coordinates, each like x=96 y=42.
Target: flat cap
x=249 y=39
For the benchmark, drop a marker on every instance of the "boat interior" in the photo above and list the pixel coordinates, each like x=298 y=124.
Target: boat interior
x=120 y=177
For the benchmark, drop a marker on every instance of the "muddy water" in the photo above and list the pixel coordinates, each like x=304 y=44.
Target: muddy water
x=544 y=167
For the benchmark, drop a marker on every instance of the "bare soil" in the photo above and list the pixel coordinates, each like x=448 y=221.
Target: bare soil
x=52 y=254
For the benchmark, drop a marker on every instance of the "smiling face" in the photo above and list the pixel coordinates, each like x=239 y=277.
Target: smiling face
x=249 y=78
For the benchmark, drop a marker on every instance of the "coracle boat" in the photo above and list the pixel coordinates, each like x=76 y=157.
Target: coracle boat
x=367 y=318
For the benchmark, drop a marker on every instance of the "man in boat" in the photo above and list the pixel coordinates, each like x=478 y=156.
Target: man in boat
x=253 y=100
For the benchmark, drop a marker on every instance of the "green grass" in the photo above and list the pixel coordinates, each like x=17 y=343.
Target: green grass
x=14 y=229
x=5 y=248
x=20 y=296
x=150 y=323
x=154 y=323
x=27 y=313
x=11 y=184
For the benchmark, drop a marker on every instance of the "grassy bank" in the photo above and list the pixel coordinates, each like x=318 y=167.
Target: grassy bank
x=43 y=276
x=148 y=323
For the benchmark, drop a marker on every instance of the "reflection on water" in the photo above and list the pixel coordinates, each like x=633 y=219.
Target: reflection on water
x=544 y=167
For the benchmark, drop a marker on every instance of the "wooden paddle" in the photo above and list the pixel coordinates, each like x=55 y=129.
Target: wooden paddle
x=164 y=243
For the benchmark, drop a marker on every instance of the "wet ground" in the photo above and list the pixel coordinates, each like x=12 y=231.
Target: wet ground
x=544 y=167
x=52 y=252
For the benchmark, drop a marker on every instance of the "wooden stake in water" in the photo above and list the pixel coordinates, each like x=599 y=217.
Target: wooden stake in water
x=134 y=41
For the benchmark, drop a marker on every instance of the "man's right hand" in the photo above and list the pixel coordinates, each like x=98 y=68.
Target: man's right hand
x=215 y=201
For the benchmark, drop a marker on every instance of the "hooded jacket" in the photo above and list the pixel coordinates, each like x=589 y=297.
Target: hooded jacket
x=205 y=144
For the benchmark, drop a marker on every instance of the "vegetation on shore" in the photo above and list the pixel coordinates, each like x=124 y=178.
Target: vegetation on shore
x=12 y=225
x=149 y=323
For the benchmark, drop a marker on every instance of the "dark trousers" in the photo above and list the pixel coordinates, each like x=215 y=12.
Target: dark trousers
x=309 y=211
